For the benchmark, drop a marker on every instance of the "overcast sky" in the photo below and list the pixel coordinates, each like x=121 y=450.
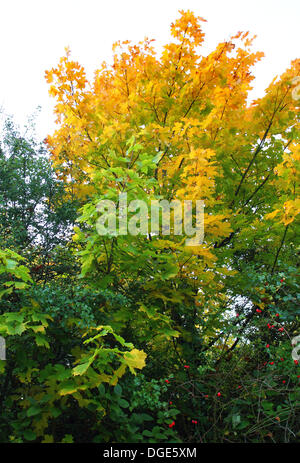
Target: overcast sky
x=34 y=34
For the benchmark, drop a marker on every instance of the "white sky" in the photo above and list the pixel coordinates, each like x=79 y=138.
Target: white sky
x=33 y=34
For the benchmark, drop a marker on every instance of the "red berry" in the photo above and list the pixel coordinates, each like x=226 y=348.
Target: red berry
x=284 y=382
x=172 y=424
x=219 y=394
x=258 y=310
x=267 y=346
x=280 y=329
x=282 y=359
x=277 y=315
x=186 y=366
x=271 y=363
x=296 y=362
x=167 y=381
x=170 y=403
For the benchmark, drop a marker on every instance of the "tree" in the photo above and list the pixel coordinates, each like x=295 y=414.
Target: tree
x=36 y=213
x=179 y=126
x=209 y=325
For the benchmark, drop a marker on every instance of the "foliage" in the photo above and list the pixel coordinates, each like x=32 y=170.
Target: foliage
x=154 y=340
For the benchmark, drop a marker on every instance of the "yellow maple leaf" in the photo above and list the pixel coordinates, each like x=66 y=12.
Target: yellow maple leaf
x=135 y=359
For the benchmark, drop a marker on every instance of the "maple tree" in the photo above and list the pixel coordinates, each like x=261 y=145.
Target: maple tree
x=179 y=126
x=194 y=319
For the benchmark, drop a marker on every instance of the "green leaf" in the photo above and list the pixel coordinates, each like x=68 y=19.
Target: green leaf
x=41 y=341
x=118 y=389
x=81 y=369
x=68 y=388
x=147 y=433
x=123 y=403
x=16 y=328
x=20 y=285
x=29 y=435
x=68 y=439
x=33 y=410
